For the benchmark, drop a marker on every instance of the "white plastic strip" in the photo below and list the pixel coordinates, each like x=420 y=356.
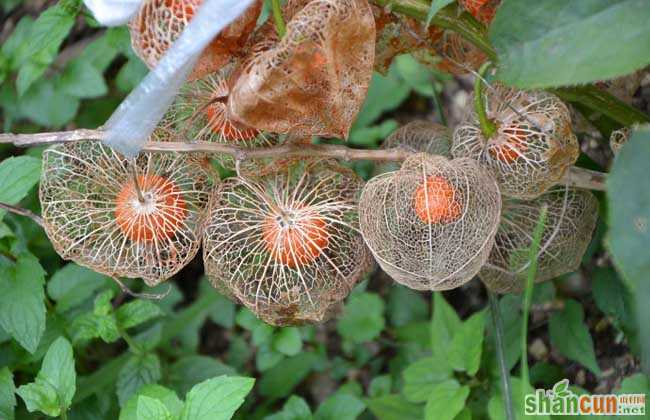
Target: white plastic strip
x=137 y=116
x=113 y=12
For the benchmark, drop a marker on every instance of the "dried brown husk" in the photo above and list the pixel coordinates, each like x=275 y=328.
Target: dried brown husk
x=482 y=10
x=79 y=192
x=431 y=256
x=311 y=203
x=160 y=22
x=199 y=113
x=458 y=56
x=571 y=218
x=534 y=144
x=314 y=80
x=417 y=136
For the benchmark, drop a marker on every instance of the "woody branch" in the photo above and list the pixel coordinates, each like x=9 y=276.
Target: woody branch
x=576 y=177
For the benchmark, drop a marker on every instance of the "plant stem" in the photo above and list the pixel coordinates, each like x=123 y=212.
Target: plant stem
x=280 y=26
x=488 y=127
x=438 y=105
x=501 y=358
x=528 y=293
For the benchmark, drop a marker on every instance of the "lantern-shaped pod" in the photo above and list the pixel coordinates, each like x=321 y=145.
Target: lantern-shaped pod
x=431 y=224
x=533 y=144
x=458 y=56
x=287 y=244
x=199 y=113
x=570 y=222
x=314 y=80
x=417 y=136
x=160 y=22
x=96 y=215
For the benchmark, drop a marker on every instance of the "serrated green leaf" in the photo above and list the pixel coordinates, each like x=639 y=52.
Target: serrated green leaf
x=467 y=344
x=405 y=306
x=560 y=43
x=11 y=47
x=217 y=398
x=81 y=79
x=137 y=312
x=55 y=384
x=379 y=386
x=72 y=285
x=44 y=105
x=444 y=324
x=287 y=341
x=100 y=53
x=49 y=30
x=394 y=407
x=167 y=397
x=91 y=325
x=294 y=409
x=151 y=409
x=363 y=318
x=139 y=370
x=18 y=175
x=190 y=370
x=22 y=308
x=280 y=380
x=446 y=400
x=340 y=407
x=422 y=376
x=130 y=75
x=571 y=337
x=7 y=394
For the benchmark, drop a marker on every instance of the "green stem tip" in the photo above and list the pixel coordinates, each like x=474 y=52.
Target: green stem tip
x=280 y=26
x=488 y=127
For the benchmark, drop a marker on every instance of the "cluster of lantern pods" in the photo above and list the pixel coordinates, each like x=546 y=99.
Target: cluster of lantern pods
x=289 y=239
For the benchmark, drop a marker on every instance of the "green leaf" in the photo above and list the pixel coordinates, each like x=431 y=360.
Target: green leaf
x=571 y=336
x=16 y=41
x=18 y=175
x=7 y=394
x=405 y=306
x=422 y=376
x=55 y=384
x=363 y=318
x=167 y=397
x=49 y=30
x=385 y=93
x=394 y=407
x=611 y=295
x=44 y=105
x=130 y=75
x=139 y=370
x=467 y=344
x=216 y=399
x=436 y=5
x=496 y=408
x=280 y=380
x=82 y=80
x=560 y=43
x=444 y=325
x=635 y=384
x=193 y=369
x=100 y=52
x=152 y=409
x=294 y=409
x=447 y=399
x=415 y=74
x=340 y=407
x=91 y=325
x=266 y=357
x=287 y=341
x=380 y=386
x=22 y=308
x=137 y=312
x=510 y=308
x=72 y=285
x=223 y=312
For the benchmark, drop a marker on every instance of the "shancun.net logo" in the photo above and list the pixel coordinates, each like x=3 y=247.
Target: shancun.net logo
x=562 y=401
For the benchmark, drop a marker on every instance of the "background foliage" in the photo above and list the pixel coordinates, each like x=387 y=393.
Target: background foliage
x=72 y=344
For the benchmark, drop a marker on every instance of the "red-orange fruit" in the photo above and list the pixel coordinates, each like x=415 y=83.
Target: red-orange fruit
x=295 y=242
x=513 y=148
x=157 y=218
x=226 y=127
x=436 y=201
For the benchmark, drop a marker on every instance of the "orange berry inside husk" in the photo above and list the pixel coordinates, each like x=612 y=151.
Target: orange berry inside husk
x=227 y=128
x=512 y=148
x=160 y=215
x=437 y=201
x=295 y=241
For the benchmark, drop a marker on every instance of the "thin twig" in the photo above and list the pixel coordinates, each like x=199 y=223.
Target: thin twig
x=575 y=177
x=497 y=323
x=23 y=212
